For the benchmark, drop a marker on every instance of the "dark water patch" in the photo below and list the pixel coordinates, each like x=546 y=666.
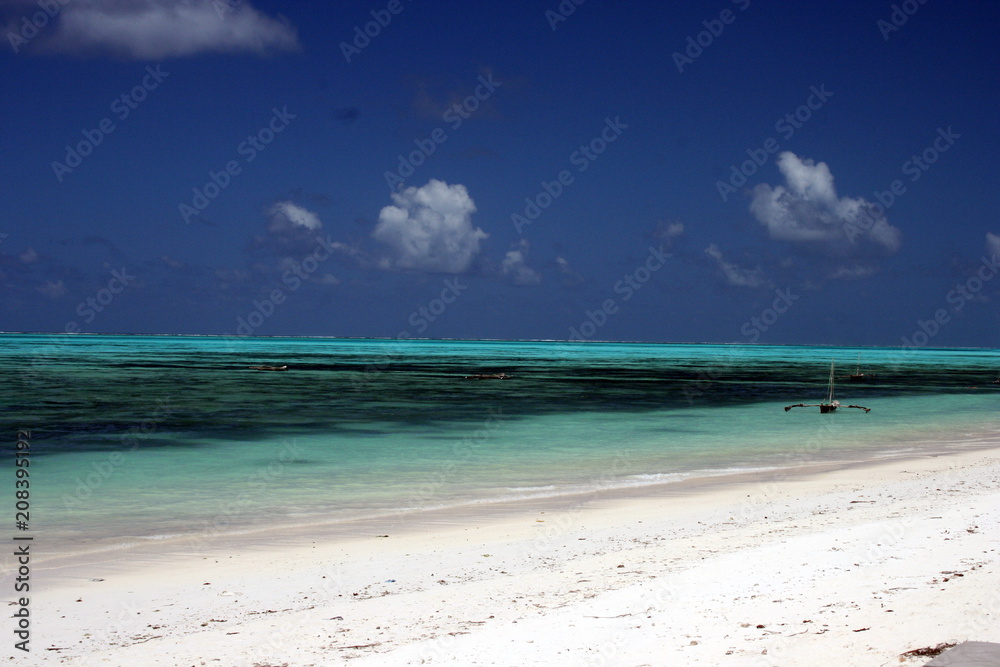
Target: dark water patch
x=107 y=387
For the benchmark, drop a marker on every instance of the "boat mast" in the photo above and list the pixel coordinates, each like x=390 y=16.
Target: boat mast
x=829 y=398
x=830 y=405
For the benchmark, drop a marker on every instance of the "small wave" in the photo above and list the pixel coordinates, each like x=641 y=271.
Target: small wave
x=656 y=477
x=888 y=453
x=159 y=536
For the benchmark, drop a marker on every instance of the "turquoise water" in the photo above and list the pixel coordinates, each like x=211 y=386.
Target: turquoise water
x=140 y=437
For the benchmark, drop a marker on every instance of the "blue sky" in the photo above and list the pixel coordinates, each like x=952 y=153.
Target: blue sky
x=727 y=171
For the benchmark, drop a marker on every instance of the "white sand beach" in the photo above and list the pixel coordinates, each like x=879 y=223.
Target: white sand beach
x=847 y=566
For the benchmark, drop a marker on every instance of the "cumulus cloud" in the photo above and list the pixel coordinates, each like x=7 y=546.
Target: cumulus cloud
x=159 y=29
x=285 y=216
x=734 y=274
x=29 y=256
x=292 y=231
x=993 y=244
x=806 y=209
x=429 y=229
x=515 y=267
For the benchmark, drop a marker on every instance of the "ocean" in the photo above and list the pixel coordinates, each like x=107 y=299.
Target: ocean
x=138 y=438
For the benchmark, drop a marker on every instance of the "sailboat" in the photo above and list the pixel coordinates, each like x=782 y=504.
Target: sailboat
x=831 y=404
x=857 y=375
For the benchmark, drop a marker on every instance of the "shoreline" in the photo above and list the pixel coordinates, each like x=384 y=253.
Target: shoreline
x=489 y=509
x=603 y=566
x=797 y=464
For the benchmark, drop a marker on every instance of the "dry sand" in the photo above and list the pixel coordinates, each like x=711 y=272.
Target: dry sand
x=851 y=566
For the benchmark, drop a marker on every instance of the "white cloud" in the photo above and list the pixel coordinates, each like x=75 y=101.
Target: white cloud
x=172 y=262
x=158 y=29
x=993 y=244
x=515 y=267
x=669 y=230
x=29 y=256
x=286 y=216
x=327 y=279
x=570 y=277
x=734 y=274
x=674 y=229
x=807 y=210
x=53 y=290
x=855 y=272
x=429 y=229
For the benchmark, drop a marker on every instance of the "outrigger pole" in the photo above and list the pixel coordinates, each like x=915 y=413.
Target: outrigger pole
x=831 y=404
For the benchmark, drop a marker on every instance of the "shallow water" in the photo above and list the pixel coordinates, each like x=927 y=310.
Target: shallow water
x=141 y=437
